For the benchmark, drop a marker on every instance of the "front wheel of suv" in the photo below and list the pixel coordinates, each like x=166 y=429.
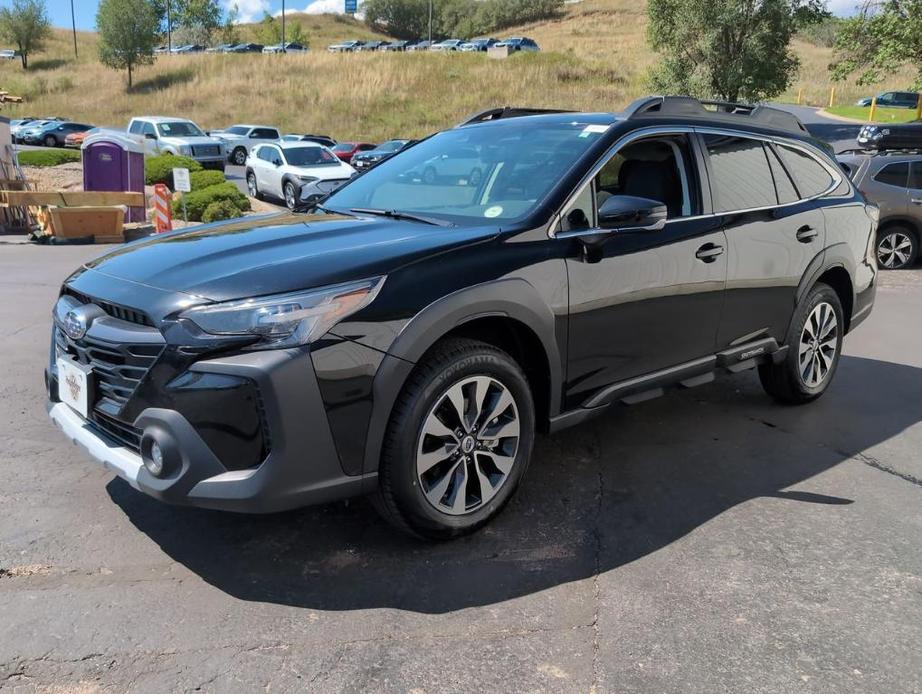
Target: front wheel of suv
x=458 y=442
x=252 y=188
x=897 y=248
x=814 y=343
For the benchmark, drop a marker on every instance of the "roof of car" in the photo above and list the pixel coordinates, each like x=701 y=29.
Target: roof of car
x=163 y=119
x=294 y=144
x=250 y=125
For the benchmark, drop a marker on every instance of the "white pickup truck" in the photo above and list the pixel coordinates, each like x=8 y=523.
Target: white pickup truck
x=163 y=135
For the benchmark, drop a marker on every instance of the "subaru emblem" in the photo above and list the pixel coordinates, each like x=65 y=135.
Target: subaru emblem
x=75 y=324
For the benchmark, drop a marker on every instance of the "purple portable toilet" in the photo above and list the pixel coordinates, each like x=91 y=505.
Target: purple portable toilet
x=114 y=161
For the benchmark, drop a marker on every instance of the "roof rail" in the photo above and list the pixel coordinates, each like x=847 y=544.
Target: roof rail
x=508 y=112
x=725 y=110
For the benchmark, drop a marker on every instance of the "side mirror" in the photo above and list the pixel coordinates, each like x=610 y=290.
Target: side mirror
x=627 y=213
x=150 y=136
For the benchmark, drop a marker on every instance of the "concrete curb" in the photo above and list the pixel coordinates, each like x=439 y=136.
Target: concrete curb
x=844 y=119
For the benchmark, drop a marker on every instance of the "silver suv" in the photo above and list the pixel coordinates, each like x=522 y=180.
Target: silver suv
x=893 y=182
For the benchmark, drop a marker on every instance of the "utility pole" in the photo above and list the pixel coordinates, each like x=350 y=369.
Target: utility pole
x=169 y=29
x=73 y=23
x=282 y=47
x=430 y=22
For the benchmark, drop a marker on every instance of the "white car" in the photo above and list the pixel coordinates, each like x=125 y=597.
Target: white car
x=288 y=47
x=280 y=170
x=241 y=138
x=164 y=135
x=8 y=54
x=346 y=46
x=464 y=167
x=448 y=45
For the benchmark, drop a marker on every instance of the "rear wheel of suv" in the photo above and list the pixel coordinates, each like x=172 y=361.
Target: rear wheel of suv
x=897 y=248
x=458 y=443
x=240 y=156
x=814 y=343
x=50 y=141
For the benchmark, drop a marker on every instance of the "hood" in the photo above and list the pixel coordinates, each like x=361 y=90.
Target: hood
x=279 y=253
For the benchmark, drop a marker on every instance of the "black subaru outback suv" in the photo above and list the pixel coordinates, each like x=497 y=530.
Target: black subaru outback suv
x=407 y=337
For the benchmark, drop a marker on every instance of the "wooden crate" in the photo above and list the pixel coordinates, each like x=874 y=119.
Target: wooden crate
x=105 y=224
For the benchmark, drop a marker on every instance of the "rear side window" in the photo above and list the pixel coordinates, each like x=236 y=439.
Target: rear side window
x=809 y=175
x=741 y=177
x=265 y=134
x=893 y=174
x=783 y=184
x=915 y=176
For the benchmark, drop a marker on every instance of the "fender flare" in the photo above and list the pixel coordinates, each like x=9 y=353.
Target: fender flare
x=837 y=255
x=513 y=298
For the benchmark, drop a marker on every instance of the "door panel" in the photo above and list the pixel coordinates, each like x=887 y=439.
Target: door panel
x=648 y=304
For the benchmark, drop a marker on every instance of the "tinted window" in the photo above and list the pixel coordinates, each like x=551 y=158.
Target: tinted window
x=915 y=176
x=180 y=129
x=893 y=174
x=783 y=184
x=741 y=175
x=237 y=130
x=343 y=147
x=265 y=134
x=135 y=127
x=148 y=129
x=809 y=175
x=310 y=156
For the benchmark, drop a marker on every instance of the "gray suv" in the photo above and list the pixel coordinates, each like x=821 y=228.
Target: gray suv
x=893 y=182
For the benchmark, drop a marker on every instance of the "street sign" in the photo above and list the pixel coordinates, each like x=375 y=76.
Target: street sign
x=351 y=6
x=181 y=180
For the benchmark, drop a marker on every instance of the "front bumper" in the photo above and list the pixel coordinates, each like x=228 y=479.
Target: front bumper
x=302 y=467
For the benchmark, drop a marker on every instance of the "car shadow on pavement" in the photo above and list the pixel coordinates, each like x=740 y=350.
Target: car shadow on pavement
x=596 y=497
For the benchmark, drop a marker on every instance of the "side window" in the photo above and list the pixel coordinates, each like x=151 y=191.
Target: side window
x=915 y=176
x=811 y=177
x=741 y=177
x=274 y=155
x=148 y=129
x=893 y=174
x=263 y=153
x=783 y=184
x=264 y=134
x=135 y=127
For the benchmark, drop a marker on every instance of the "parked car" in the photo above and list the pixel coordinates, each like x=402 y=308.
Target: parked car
x=220 y=48
x=19 y=128
x=892 y=180
x=17 y=125
x=75 y=140
x=371 y=46
x=892 y=99
x=166 y=135
x=408 y=340
x=239 y=139
x=464 y=167
x=519 y=43
x=189 y=48
x=448 y=45
x=896 y=136
x=247 y=48
x=288 y=47
x=478 y=45
x=346 y=150
x=395 y=46
x=346 y=46
x=279 y=170
x=53 y=133
x=324 y=140
x=420 y=46
x=7 y=54
x=372 y=157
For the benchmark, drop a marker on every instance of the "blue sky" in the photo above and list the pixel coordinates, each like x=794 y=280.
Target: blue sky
x=85 y=10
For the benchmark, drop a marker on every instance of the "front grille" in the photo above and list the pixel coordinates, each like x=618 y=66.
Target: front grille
x=121 y=312
x=117 y=368
x=206 y=150
x=125 y=434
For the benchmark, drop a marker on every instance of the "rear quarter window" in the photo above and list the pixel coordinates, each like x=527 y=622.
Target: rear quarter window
x=810 y=177
x=896 y=174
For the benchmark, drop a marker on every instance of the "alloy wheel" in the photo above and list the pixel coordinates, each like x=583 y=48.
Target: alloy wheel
x=468 y=445
x=251 y=185
x=894 y=250
x=240 y=156
x=290 y=196
x=818 y=345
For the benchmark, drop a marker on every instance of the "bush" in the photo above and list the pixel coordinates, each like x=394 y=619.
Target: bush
x=198 y=200
x=159 y=169
x=47 y=157
x=220 y=210
x=204 y=179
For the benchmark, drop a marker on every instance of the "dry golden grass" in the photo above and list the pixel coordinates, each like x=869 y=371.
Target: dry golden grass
x=595 y=58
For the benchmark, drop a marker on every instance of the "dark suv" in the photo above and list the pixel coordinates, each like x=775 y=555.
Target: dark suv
x=407 y=338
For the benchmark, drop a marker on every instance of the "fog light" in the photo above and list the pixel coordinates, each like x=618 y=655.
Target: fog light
x=154 y=460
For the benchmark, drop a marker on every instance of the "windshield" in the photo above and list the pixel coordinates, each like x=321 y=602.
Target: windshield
x=179 y=129
x=310 y=156
x=479 y=174
x=237 y=130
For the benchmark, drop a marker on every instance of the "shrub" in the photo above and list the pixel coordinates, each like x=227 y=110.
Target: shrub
x=198 y=200
x=159 y=169
x=204 y=179
x=220 y=210
x=47 y=157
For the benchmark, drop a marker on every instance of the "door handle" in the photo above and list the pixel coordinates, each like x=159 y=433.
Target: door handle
x=806 y=234
x=709 y=252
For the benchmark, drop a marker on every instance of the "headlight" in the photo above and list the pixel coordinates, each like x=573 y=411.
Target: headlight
x=307 y=179
x=185 y=150
x=286 y=320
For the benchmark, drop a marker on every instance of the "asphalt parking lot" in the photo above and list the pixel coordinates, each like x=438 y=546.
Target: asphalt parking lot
x=709 y=541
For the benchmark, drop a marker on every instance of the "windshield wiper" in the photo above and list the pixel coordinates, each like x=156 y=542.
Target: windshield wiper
x=397 y=214
x=311 y=206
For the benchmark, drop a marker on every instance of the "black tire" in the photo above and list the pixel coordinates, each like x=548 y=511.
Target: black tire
x=401 y=498
x=787 y=382
x=897 y=248
x=290 y=193
x=51 y=141
x=252 y=188
x=240 y=156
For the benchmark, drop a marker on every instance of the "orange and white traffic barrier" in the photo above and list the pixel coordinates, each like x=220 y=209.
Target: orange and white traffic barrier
x=163 y=212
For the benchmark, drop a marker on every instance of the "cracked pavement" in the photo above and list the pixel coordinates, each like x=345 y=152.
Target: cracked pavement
x=708 y=541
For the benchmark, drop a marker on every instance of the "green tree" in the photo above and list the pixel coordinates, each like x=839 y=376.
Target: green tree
x=196 y=20
x=128 y=31
x=230 y=32
x=270 y=31
x=879 y=40
x=25 y=23
x=728 y=49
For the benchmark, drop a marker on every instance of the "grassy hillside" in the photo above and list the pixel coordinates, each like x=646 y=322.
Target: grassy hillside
x=595 y=58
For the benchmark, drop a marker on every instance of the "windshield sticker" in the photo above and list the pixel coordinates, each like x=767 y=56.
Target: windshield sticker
x=165 y=127
x=494 y=211
x=590 y=129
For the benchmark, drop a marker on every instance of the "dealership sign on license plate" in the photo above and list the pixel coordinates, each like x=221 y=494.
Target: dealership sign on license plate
x=74 y=385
